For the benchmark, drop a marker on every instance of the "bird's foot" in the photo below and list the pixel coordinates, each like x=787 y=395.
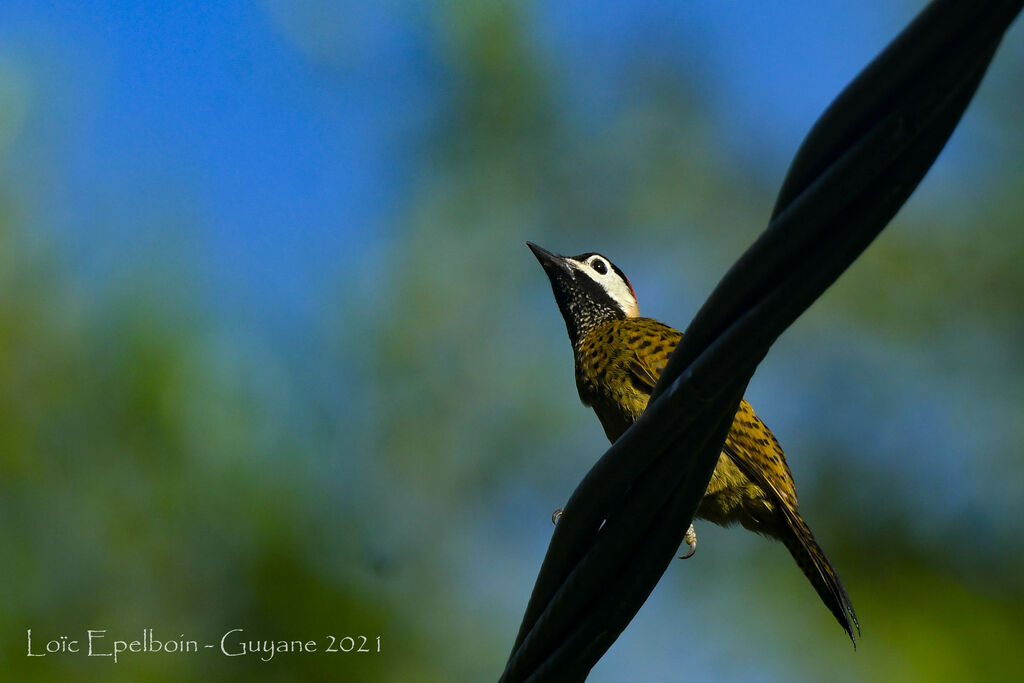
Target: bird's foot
x=557 y=515
x=691 y=540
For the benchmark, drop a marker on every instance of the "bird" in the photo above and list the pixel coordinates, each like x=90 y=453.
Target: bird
x=619 y=356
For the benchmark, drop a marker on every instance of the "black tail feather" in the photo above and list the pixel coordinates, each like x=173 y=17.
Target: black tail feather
x=819 y=571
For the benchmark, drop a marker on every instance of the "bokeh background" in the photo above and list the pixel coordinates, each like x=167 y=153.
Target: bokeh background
x=273 y=354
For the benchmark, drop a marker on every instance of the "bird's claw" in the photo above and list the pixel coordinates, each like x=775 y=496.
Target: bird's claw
x=690 y=537
x=691 y=540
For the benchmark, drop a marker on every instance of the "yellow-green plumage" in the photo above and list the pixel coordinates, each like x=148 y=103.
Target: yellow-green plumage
x=617 y=365
x=619 y=357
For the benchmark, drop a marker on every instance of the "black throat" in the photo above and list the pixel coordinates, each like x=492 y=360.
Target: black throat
x=584 y=305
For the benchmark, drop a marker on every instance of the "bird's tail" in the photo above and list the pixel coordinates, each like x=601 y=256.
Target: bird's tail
x=815 y=565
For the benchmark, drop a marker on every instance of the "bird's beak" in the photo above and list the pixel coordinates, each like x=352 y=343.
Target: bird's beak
x=554 y=265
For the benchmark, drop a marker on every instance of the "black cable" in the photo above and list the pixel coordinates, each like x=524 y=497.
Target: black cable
x=855 y=169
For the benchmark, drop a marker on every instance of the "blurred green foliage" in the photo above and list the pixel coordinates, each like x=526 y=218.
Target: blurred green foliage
x=161 y=470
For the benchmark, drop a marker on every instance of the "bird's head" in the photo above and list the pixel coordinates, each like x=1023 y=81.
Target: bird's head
x=589 y=289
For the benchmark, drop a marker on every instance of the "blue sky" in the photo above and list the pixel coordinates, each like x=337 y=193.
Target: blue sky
x=285 y=137
x=263 y=150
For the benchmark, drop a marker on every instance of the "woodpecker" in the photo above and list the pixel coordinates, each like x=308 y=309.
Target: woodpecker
x=619 y=357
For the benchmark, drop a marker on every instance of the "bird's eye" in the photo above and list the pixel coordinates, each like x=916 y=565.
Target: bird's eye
x=598 y=265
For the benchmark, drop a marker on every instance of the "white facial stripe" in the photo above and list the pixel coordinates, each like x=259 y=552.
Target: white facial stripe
x=615 y=286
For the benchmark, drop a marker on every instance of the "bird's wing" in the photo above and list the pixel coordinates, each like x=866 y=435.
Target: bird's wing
x=758 y=455
x=644 y=378
x=645 y=369
x=805 y=550
x=749 y=444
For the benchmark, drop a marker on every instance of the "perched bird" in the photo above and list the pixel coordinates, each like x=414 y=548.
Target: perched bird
x=619 y=357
